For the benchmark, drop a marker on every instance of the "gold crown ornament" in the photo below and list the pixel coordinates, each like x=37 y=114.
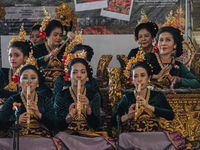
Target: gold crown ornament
x=144 y=18
x=21 y=35
x=77 y=40
x=44 y=23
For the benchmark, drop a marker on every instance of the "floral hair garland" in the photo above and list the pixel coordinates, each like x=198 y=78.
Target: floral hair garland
x=44 y=23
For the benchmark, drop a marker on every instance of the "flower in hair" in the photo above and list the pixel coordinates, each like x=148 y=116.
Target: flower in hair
x=136 y=38
x=16 y=78
x=42 y=34
x=66 y=76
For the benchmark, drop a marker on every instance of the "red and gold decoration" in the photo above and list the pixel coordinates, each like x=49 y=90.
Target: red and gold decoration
x=44 y=23
x=65 y=15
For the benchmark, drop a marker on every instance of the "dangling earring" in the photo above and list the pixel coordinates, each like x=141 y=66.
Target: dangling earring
x=174 y=47
x=69 y=79
x=46 y=38
x=37 y=85
x=87 y=79
x=24 y=60
x=152 y=40
x=132 y=82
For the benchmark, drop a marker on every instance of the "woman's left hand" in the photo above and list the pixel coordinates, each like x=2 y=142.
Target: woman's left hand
x=174 y=80
x=142 y=101
x=33 y=106
x=85 y=103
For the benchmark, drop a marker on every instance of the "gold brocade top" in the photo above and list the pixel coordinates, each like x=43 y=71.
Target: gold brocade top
x=79 y=124
x=35 y=128
x=11 y=86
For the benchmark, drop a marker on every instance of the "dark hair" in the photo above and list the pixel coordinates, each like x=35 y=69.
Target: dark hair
x=143 y=65
x=177 y=36
x=28 y=66
x=36 y=27
x=87 y=48
x=149 y=26
x=52 y=25
x=84 y=62
x=24 y=47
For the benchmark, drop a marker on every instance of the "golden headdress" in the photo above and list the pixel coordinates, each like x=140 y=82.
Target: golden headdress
x=139 y=57
x=77 y=40
x=21 y=35
x=144 y=23
x=44 y=23
x=171 y=21
x=144 y=18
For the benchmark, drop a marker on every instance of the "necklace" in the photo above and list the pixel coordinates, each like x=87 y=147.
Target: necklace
x=147 y=94
x=24 y=99
x=160 y=62
x=47 y=47
x=73 y=94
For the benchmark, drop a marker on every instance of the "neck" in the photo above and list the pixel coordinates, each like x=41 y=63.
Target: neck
x=166 y=58
x=13 y=70
x=143 y=92
x=52 y=47
x=148 y=49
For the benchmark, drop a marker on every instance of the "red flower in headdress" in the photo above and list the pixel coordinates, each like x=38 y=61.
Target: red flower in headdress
x=16 y=79
x=64 y=58
x=130 y=81
x=66 y=76
x=42 y=34
x=156 y=48
x=136 y=38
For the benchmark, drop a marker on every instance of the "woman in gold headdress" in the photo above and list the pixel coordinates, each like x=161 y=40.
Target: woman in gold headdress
x=41 y=113
x=141 y=110
x=145 y=32
x=70 y=119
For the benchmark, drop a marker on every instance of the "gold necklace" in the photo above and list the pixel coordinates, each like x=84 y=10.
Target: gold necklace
x=160 y=62
x=147 y=95
x=47 y=47
x=24 y=100
x=73 y=94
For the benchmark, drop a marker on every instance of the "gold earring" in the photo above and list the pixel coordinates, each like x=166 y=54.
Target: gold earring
x=152 y=40
x=69 y=79
x=24 y=60
x=149 y=81
x=174 y=47
x=132 y=82
x=37 y=85
x=87 y=79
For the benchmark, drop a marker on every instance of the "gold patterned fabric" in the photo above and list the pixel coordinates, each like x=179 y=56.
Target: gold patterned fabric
x=37 y=129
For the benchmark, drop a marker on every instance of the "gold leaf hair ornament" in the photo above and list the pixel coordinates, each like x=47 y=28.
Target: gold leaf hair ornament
x=171 y=21
x=77 y=40
x=21 y=35
x=44 y=23
x=139 y=57
x=68 y=59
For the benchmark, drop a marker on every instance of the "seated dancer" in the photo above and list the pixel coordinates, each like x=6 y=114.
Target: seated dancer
x=92 y=83
x=82 y=116
x=34 y=35
x=37 y=114
x=168 y=72
x=18 y=53
x=145 y=32
x=141 y=108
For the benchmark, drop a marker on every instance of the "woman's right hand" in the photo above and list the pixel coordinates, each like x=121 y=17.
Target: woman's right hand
x=54 y=52
x=23 y=118
x=164 y=70
x=72 y=112
x=130 y=114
